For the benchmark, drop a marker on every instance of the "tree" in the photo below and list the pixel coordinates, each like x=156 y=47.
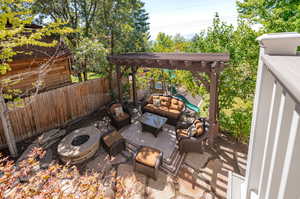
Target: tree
x=79 y=15
x=273 y=15
x=15 y=17
x=237 y=82
x=91 y=54
x=163 y=43
x=122 y=27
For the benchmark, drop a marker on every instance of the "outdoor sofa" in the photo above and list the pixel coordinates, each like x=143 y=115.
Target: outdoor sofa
x=169 y=107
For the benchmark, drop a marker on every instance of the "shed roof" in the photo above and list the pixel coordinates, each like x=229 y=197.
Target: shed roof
x=180 y=61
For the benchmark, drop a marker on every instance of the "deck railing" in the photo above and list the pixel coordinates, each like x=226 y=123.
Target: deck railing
x=273 y=167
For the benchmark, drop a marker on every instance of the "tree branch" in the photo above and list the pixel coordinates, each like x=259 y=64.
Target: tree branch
x=202 y=80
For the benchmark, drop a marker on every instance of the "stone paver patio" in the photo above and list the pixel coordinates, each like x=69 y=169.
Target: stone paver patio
x=201 y=176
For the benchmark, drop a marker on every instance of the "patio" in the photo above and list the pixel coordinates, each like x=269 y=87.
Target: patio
x=189 y=166
x=179 y=172
x=198 y=176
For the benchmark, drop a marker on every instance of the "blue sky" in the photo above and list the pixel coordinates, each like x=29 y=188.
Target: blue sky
x=187 y=17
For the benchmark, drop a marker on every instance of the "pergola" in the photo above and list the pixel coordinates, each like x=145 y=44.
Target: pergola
x=198 y=63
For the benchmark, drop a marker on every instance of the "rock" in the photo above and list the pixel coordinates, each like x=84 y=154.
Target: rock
x=50 y=135
x=50 y=143
x=27 y=151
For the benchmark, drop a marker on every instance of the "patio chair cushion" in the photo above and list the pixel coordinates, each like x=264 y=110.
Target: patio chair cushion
x=148 y=156
x=113 y=108
x=163 y=110
x=122 y=117
x=112 y=138
x=173 y=113
x=150 y=107
x=176 y=104
x=165 y=101
x=151 y=98
x=199 y=128
x=182 y=132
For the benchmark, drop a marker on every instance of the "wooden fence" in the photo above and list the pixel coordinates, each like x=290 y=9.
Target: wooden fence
x=56 y=107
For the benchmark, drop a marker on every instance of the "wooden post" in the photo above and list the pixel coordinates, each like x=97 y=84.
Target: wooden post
x=213 y=105
x=134 y=91
x=119 y=83
x=8 y=131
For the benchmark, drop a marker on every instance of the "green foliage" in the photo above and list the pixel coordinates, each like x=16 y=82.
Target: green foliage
x=90 y=56
x=273 y=15
x=237 y=82
x=17 y=14
x=118 y=26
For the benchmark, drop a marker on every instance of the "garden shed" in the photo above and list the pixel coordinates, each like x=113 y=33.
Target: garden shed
x=49 y=64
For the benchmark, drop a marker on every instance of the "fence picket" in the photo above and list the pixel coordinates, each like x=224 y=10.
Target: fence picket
x=56 y=107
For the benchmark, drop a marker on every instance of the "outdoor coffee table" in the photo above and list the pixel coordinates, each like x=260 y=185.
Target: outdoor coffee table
x=152 y=123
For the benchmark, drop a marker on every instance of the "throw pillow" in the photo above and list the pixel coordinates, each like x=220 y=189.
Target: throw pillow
x=156 y=102
x=119 y=111
x=192 y=131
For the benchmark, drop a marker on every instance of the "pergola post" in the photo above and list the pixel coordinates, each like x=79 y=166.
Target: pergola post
x=134 y=91
x=119 y=82
x=214 y=104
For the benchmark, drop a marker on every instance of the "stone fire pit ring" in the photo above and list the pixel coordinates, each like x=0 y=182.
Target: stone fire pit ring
x=79 y=145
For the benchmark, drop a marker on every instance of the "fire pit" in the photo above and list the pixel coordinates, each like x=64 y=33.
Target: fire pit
x=79 y=145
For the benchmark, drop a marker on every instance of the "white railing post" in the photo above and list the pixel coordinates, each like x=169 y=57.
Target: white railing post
x=274 y=148
x=265 y=116
x=261 y=110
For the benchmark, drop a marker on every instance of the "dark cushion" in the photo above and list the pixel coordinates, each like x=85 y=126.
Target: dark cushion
x=122 y=117
x=112 y=138
x=112 y=108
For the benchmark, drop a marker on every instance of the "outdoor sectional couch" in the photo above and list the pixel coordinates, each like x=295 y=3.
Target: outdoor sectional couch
x=170 y=107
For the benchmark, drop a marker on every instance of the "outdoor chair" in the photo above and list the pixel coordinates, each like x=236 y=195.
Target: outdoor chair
x=113 y=143
x=147 y=160
x=121 y=120
x=192 y=143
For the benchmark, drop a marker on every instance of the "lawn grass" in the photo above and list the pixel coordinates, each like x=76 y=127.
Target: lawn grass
x=91 y=76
